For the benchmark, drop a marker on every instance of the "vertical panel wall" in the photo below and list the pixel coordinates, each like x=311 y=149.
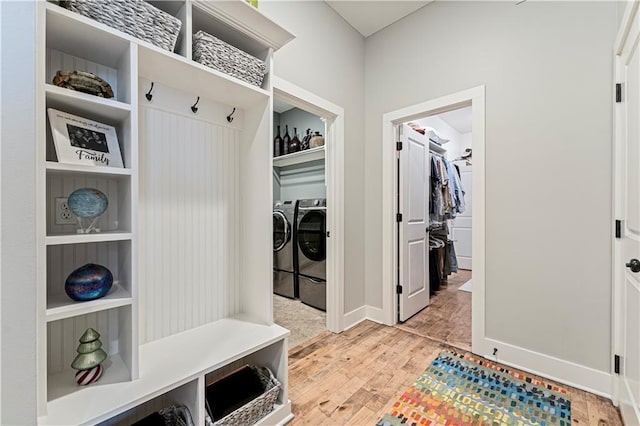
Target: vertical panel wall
x=188 y=203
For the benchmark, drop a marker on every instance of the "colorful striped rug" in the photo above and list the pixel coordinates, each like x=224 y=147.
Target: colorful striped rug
x=465 y=390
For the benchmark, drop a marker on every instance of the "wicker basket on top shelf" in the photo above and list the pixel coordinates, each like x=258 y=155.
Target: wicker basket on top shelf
x=215 y=53
x=134 y=17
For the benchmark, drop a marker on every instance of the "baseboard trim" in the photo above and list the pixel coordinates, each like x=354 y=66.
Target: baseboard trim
x=375 y=314
x=566 y=372
x=366 y=312
x=355 y=317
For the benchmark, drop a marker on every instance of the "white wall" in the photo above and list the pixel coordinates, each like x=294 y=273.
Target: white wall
x=18 y=347
x=547 y=67
x=327 y=59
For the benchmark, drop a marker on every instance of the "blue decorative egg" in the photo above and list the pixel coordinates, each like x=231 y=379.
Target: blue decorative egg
x=88 y=282
x=87 y=202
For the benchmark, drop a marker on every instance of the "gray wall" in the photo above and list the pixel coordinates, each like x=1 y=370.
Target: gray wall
x=547 y=67
x=327 y=59
x=18 y=349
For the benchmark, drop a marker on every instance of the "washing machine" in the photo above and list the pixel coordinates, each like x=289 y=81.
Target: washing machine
x=311 y=241
x=284 y=264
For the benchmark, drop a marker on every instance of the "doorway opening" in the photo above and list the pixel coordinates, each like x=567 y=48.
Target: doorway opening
x=434 y=238
x=308 y=274
x=408 y=224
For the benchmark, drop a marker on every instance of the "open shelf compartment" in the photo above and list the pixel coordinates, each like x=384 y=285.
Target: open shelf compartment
x=186 y=395
x=77 y=43
x=64 y=259
x=117 y=188
x=114 y=326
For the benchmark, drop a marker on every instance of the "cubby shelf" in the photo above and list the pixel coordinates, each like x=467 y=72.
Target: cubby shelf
x=53 y=240
x=60 y=306
x=299 y=157
x=101 y=108
x=164 y=364
x=53 y=167
x=62 y=387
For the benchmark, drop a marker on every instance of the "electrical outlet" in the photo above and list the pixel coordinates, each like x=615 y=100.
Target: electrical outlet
x=63 y=214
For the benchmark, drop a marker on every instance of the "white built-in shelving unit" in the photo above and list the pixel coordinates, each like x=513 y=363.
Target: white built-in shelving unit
x=188 y=226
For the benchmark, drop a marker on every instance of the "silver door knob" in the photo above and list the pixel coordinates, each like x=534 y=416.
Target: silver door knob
x=634 y=265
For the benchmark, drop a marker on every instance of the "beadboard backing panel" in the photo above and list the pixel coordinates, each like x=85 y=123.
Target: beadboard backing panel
x=57 y=60
x=116 y=218
x=63 y=259
x=188 y=213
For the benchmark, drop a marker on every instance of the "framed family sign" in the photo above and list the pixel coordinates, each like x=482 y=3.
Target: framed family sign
x=82 y=141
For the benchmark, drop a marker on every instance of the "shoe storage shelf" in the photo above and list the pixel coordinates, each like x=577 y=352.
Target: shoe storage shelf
x=187 y=224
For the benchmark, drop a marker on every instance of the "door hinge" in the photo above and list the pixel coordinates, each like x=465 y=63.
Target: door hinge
x=618 y=92
x=399 y=289
x=399 y=146
x=618 y=229
x=616 y=364
x=398 y=217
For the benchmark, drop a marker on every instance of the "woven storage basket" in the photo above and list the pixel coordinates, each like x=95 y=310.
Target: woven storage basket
x=253 y=411
x=134 y=17
x=215 y=53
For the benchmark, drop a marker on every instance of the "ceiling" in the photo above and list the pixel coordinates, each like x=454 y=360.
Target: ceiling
x=459 y=119
x=369 y=17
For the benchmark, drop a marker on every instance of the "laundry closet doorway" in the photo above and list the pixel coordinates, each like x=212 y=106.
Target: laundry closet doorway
x=315 y=186
x=399 y=168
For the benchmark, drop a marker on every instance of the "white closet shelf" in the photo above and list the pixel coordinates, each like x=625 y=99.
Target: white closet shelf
x=177 y=71
x=102 y=237
x=99 y=108
x=300 y=157
x=71 y=169
x=164 y=365
x=60 y=306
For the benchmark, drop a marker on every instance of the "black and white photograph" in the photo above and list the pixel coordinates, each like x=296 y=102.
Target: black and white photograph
x=79 y=140
x=88 y=139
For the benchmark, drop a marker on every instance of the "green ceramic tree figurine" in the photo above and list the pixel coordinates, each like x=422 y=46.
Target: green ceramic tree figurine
x=89 y=360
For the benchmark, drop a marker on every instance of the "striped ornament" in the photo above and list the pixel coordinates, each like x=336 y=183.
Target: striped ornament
x=85 y=377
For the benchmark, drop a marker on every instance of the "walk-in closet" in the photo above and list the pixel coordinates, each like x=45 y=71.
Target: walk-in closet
x=447 y=169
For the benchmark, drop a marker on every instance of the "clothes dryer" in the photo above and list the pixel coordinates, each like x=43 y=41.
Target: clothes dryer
x=311 y=239
x=284 y=254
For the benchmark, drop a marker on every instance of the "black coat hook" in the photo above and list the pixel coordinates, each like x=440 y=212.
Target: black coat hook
x=230 y=116
x=148 y=95
x=194 y=108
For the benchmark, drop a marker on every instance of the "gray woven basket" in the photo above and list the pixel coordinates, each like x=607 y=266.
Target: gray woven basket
x=215 y=53
x=255 y=410
x=134 y=17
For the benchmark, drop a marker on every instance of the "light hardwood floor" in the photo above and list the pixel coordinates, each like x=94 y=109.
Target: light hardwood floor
x=447 y=319
x=353 y=378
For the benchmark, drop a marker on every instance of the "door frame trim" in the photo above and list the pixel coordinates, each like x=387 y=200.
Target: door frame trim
x=333 y=116
x=476 y=98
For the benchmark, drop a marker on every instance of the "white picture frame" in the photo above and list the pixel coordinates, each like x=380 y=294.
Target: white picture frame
x=82 y=141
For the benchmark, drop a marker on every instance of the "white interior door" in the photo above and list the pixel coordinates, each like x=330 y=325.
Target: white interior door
x=413 y=195
x=627 y=210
